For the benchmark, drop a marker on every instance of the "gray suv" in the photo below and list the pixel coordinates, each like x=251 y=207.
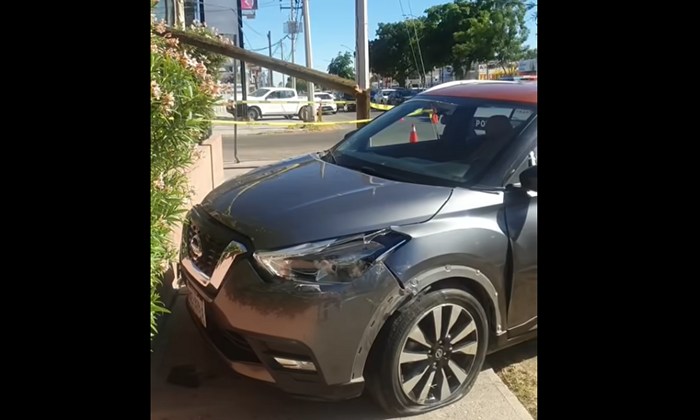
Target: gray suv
x=392 y=263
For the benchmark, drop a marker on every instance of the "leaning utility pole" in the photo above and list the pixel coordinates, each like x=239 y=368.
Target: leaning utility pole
x=309 y=58
x=362 y=57
x=269 y=49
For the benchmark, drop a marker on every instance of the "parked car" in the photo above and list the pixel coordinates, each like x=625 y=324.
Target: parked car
x=382 y=96
x=392 y=263
x=398 y=97
x=327 y=102
x=348 y=98
x=270 y=102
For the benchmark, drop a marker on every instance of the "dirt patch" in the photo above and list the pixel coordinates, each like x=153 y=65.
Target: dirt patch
x=320 y=127
x=517 y=368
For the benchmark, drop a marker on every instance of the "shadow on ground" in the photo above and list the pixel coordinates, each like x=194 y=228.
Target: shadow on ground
x=516 y=354
x=224 y=395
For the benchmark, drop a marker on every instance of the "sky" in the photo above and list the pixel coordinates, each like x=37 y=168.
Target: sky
x=332 y=26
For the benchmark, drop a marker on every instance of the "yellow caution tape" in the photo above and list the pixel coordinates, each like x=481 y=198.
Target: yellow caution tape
x=420 y=112
x=288 y=102
x=381 y=107
x=285 y=124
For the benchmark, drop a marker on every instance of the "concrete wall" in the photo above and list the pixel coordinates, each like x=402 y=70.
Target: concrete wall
x=206 y=173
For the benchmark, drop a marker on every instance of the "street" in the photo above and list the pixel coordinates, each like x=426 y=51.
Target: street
x=244 y=130
x=278 y=144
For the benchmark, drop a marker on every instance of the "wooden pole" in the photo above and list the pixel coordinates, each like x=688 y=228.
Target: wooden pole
x=318 y=77
x=362 y=107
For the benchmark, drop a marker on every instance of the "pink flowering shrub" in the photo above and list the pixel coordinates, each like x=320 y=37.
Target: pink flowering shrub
x=183 y=92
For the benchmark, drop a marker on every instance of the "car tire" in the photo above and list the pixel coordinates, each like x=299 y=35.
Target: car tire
x=302 y=111
x=334 y=112
x=254 y=114
x=387 y=376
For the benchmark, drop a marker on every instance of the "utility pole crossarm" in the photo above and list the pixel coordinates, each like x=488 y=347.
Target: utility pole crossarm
x=218 y=47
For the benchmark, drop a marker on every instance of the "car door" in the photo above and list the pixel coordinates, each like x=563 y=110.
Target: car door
x=521 y=222
x=287 y=100
x=273 y=103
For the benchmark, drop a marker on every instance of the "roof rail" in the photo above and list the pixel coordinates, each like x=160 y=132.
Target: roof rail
x=465 y=82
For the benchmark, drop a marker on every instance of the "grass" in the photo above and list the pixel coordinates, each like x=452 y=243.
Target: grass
x=517 y=368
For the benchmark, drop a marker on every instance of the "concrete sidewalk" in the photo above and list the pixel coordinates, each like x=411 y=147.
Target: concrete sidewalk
x=224 y=395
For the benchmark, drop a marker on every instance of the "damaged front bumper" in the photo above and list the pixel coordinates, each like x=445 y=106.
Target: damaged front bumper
x=310 y=340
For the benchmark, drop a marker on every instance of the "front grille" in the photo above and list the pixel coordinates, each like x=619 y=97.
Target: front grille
x=209 y=250
x=212 y=237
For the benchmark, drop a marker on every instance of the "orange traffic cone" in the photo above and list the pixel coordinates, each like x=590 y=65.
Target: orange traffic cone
x=413 y=137
x=435 y=118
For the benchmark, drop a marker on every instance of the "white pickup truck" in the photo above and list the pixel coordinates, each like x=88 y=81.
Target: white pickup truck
x=273 y=102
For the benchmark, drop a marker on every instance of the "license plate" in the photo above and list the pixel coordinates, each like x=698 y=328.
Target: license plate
x=196 y=303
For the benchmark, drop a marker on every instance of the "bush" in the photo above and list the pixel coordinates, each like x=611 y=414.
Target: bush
x=182 y=95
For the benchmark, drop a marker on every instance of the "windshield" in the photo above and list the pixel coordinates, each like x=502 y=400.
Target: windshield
x=437 y=141
x=407 y=93
x=259 y=92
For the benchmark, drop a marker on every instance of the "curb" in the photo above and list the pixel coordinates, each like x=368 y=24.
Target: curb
x=512 y=400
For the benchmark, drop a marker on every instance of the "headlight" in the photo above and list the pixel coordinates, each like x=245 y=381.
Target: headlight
x=331 y=261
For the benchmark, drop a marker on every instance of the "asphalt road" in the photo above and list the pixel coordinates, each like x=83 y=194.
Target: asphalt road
x=257 y=129
x=277 y=146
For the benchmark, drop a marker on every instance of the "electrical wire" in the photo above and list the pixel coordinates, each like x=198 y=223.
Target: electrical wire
x=226 y=9
x=415 y=31
x=410 y=44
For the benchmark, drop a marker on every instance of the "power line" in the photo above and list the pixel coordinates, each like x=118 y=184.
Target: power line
x=415 y=31
x=277 y=44
x=226 y=9
x=410 y=44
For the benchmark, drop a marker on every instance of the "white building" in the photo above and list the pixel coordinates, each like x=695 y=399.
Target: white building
x=219 y=14
x=194 y=10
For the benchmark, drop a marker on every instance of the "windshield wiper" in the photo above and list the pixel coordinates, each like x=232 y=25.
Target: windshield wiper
x=329 y=155
x=373 y=172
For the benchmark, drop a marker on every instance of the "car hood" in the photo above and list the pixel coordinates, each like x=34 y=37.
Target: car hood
x=305 y=199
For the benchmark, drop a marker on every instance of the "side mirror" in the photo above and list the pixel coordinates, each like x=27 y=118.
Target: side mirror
x=349 y=133
x=528 y=179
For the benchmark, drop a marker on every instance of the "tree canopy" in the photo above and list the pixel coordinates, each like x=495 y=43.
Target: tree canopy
x=300 y=84
x=343 y=65
x=457 y=34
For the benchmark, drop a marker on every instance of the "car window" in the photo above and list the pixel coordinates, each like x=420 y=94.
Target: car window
x=260 y=92
x=516 y=116
x=447 y=151
x=274 y=95
x=286 y=94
